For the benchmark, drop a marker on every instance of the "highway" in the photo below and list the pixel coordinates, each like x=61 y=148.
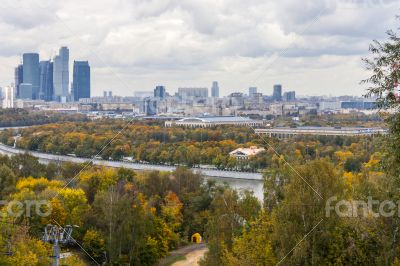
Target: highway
x=46 y=157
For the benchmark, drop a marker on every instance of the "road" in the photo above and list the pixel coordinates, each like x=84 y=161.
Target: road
x=46 y=157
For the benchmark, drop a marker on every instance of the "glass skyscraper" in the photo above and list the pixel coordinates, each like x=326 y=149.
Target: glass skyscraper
x=215 y=89
x=18 y=78
x=46 y=81
x=61 y=75
x=81 y=80
x=277 y=95
x=31 y=72
x=159 y=92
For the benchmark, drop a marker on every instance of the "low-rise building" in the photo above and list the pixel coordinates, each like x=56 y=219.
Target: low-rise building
x=246 y=153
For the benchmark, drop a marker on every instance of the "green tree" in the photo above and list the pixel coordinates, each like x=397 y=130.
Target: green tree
x=302 y=212
x=93 y=243
x=254 y=246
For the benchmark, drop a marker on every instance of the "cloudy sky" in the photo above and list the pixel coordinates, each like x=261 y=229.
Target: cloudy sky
x=311 y=46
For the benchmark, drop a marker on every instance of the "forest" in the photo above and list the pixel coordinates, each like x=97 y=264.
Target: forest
x=137 y=218
x=149 y=142
x=17 y=117
x=123 y=217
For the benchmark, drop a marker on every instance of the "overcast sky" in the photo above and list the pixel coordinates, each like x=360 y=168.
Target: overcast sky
x=313 y=47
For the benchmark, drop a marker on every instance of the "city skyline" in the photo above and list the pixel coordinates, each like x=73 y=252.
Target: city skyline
x=195 y=43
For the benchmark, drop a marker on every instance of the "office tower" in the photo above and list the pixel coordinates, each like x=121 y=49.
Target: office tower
x=18 y=78
x=159 y=92
x=236 y=99
x=109 y=93
x=252 y=90
x=215 y=89
x=46 y=81
x=289 y=96
x=149 y=106
x=193 y=92
x=81 y=80
x=61 y=74
x=8 y=97
x=25 y=91
x=104 y=94
x=31 y=72
x=277 y=95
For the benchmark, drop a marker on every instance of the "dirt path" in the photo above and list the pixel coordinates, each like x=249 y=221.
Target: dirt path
x=192 y=258
x=186 y=256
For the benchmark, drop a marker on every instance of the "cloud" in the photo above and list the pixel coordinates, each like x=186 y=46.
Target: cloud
x=139 y=43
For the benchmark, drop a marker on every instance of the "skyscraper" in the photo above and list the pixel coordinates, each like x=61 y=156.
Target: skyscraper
x=149 y=106
x=8 y=97
x=81 y=80
x=46 y=80
x=159 y=92
x=289 y=96
x=25 y=91
x=61 y=74
x=31 y=72
x=252 y=90
x=277 y=95
x=215 y=89
x=18 y=78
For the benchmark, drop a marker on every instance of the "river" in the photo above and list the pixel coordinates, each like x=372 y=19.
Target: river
x=238 y=180
x=241 y=184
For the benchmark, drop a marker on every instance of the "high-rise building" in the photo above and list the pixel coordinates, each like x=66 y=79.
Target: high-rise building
x=289 y=96
x=8 y=97
x=193 y=92
x=109 y=93
x=215 y=89
x=81 y=80
x=25 y=91
x=236 y=99
x=18 y=78
x=159 y=92
x=277 y=95
x=61 y=75
x=252 y=90
x=46 y=81
x=31 y=72
x=149 y=106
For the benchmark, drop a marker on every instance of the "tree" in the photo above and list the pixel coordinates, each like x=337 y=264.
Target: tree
x=25 y=250
x=302 y=212
x=224 y=224
x=254 y=246
x=385 y=66
x=7 y=181
x=93 y=243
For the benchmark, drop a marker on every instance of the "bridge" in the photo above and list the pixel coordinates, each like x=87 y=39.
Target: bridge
x=46 y=157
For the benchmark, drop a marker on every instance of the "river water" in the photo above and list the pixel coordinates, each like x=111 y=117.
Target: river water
x=236 y=183
x=241 y=184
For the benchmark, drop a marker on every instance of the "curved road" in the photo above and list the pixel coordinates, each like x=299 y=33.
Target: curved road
x=46 y=157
